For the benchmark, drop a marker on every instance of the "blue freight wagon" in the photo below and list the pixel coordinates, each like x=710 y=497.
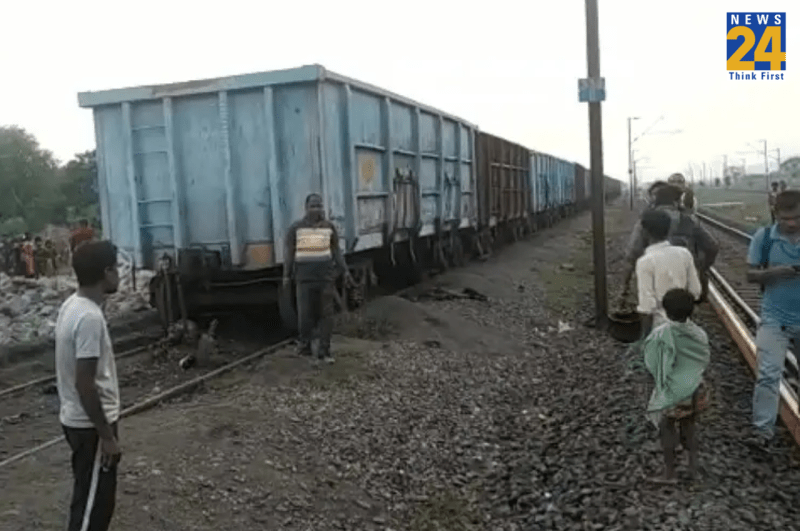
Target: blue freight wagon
x=565 y=177
x=548 y=188
x=200 y=180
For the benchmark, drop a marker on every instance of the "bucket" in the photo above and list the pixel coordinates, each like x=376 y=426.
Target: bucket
x=625 y=326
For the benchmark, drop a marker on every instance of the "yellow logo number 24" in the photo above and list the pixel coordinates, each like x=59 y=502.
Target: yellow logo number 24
x=771 y=33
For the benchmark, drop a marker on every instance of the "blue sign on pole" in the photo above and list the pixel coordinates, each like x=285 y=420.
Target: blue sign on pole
x=592 y=90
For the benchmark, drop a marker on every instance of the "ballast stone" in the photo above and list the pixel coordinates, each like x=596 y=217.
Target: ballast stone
x=29 y=307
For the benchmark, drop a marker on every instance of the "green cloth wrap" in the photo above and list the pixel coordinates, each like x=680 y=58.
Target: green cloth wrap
x=676 y=354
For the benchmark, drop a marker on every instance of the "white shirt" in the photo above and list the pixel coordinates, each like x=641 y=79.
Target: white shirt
x=664 y=267
x=81 y=332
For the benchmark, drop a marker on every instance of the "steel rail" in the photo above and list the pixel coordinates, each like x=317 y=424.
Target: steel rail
x=790 y=357
x=720 y=225
x=744 y=340
x=155 y=400
x=47 y=379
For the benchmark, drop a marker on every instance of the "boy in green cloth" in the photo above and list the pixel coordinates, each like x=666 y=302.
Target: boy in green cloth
x=677 y=353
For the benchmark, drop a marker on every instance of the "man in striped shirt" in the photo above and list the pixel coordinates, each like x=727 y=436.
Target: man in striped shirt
x=314 y=259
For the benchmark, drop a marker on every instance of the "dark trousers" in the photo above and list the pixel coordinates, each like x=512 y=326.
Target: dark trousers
x=315 y=316
x=704 y=277
x=94 y=489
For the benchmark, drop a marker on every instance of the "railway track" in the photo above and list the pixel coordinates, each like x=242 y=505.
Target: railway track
x=18 y=388
x=737 y=304
x=152 y=401
x=29 y=410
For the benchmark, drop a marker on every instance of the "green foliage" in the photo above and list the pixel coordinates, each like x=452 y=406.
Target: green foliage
x=27 y=176
x=78 y=187
x=38 y=191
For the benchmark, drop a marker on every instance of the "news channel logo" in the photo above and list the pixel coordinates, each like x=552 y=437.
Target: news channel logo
x=756 y=46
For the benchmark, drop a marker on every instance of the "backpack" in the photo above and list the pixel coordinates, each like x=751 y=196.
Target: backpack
x=766 y=247
x=682 y=233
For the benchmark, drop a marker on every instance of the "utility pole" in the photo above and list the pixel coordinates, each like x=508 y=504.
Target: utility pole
x=766 y=165
x=630 y=163
x=724 y=167
x=630 y=160
x=592 y=90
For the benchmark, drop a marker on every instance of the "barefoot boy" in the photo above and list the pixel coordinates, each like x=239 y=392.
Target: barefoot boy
x=677 y=353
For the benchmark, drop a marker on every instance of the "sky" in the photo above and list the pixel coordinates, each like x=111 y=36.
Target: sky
x=511 y=67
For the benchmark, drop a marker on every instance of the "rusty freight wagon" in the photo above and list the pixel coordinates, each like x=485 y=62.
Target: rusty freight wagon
x=504 y=189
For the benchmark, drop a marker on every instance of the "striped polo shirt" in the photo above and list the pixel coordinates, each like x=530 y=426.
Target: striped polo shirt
x=313 y=248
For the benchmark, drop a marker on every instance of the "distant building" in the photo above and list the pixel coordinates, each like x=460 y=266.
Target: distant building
x=790 y=168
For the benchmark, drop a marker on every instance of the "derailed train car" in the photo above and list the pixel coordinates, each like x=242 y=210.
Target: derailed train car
x=200 y=181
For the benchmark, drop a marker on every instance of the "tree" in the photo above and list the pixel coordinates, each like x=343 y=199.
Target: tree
x=27 y=178
x=727 y=181
x=717 y=182
x=78 y=188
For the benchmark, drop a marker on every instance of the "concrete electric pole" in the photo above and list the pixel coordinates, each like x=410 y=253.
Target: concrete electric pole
x=593 y=90
x=631 y=180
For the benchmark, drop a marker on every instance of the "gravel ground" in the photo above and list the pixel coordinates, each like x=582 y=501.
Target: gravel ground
x=499 y=414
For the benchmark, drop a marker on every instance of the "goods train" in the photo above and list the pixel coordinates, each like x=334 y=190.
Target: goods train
x=199 y=181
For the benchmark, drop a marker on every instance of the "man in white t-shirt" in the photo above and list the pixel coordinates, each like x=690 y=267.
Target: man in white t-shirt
x=86 y=375
x=662 y=267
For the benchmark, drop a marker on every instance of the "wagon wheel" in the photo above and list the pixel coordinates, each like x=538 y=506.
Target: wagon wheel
x=487 y=243
x=512 y=231
x=165 y=296
x=159 y=291
x=457 y=255
x=357 y=294
x=287 y=306
x=441 y=254
x=475 y=245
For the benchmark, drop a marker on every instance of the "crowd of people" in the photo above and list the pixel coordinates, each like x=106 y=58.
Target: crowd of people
x=671 y=254
x=33 y=257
